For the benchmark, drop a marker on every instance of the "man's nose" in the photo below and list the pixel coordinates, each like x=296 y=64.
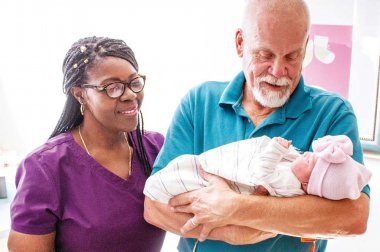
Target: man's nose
x=278 y=68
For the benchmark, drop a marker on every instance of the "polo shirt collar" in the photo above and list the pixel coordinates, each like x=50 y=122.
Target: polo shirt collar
x=299 y=102
x=233 y=93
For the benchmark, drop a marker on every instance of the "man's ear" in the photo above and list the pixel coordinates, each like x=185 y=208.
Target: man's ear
x=239 y=42
x=77 y=92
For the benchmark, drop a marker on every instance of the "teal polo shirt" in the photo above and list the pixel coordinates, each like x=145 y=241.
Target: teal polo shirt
x=211 y=115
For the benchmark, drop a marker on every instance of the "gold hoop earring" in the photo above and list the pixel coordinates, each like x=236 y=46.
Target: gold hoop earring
x=81 y=109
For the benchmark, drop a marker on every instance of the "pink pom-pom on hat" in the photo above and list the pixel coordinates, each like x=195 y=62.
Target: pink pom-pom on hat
x=336 y=175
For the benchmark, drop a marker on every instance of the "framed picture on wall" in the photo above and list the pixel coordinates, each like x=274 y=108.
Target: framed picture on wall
x=343 y=56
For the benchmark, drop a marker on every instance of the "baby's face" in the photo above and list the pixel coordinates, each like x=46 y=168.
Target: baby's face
x=303 y=166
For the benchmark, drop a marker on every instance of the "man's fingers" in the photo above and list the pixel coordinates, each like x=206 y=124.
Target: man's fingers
x=182 y=209
x=189 y=225
x=204 y=174
x=213 y=179
x=181 y=199
x=204 y=233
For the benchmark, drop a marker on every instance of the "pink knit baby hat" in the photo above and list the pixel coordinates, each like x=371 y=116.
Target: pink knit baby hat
x=336 y=175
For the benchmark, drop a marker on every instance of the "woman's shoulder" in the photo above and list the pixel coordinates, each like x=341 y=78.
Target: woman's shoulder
x=52 y=148
x=153 y=134
x=153 y=138
x=49 y=158
x=53 y=142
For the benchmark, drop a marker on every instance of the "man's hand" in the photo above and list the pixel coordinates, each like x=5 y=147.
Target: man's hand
x=212 y=206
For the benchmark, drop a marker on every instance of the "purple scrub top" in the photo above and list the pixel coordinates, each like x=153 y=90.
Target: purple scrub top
x=61 y=188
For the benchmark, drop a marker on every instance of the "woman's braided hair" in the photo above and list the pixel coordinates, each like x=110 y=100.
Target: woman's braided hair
x=81 y=57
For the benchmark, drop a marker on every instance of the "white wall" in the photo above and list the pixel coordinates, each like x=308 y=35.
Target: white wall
x=178 y=44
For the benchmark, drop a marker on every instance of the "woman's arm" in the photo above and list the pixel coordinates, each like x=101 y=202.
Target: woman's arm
x=32 y=243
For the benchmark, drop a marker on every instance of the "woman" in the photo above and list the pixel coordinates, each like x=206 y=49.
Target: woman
x=83 y=189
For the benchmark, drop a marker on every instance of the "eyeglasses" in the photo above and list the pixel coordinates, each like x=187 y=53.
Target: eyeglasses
x=117 y=88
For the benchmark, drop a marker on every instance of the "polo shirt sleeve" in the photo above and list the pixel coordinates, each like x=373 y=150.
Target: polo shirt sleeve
x=179 y=139
x=34 y=208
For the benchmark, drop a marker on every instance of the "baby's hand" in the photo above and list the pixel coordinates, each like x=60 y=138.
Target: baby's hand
x=283 y=142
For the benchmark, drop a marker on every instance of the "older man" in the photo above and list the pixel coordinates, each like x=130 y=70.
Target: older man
x=267 y=98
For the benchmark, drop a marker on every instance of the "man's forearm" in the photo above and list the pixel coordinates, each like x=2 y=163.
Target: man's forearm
x=239 y=235
x=160 y=215
x=304 y=216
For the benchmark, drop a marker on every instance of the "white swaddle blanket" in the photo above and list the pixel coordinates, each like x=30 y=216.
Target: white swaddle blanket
x=247 y=163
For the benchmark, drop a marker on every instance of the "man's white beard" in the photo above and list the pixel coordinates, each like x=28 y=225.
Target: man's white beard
x=268 y=98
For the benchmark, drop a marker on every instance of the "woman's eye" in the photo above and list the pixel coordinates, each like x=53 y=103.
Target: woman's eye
x=136 y=84
x=114 y=87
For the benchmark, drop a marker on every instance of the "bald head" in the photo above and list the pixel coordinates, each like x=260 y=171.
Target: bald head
x=280 y=14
